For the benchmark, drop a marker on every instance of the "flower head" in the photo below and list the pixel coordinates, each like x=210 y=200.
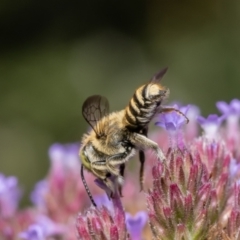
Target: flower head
x=62 y=184
x=189 y=191
x=102 y=223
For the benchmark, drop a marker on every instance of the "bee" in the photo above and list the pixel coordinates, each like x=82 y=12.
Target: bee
x=115 y=137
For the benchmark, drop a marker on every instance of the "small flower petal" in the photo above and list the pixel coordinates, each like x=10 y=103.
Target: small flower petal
x=135 y=224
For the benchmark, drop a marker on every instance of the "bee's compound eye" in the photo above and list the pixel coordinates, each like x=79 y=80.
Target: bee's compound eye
x=85 y=160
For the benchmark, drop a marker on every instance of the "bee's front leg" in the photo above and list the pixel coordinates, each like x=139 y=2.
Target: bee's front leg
x=99 y=169
x=142 y=142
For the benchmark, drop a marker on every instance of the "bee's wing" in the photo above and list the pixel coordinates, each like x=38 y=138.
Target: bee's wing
x=158 y=76
x=94 y=109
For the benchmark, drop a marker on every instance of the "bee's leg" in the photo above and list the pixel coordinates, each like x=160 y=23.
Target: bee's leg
x=141 y=171
x=142 y=160
x=122 y=168
x=111 y=186
x=102 y=171
x=116 y=166
x=116 y=160
x=99 y=169
x=113 y=170
x=143 y=143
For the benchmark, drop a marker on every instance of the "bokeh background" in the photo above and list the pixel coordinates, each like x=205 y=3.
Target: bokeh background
x=54 y=54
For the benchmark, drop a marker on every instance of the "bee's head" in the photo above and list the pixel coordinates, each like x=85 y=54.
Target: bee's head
x=157 y=92
x=84 y=158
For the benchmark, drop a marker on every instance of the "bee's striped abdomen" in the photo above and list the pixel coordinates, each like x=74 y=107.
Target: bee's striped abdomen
x=144 y=105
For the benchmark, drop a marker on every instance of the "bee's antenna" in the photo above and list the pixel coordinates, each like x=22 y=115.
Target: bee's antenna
x=86 y=187
x=158 y=76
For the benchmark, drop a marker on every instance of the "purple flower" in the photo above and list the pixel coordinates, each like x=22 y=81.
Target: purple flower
x=232 y=114
x=135 y=224
x=210 y=124
x=228 y=109
x=172 y=120
x=103 y=200
x=34 y=232
x=9 y=196
x=39 y=193
x=42 y=229
x=64 y=157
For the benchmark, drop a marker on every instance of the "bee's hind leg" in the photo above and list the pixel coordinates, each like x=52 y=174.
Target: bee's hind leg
x=142 y=142
x=122 y=169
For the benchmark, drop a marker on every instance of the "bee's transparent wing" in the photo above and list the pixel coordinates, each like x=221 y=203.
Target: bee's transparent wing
x=94 y=109
x=158 y=76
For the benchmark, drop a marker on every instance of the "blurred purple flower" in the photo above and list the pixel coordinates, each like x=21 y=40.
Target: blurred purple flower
x=135 y=224
x=172 y=121
x=228 y=109
x=193 y=112
x=231 y=112
x=39 y=193
x=210 y=124
x=64 y=157
x=9 y=196
x=42 y=229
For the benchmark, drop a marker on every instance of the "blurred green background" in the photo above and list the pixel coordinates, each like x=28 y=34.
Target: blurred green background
x=54 y=54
